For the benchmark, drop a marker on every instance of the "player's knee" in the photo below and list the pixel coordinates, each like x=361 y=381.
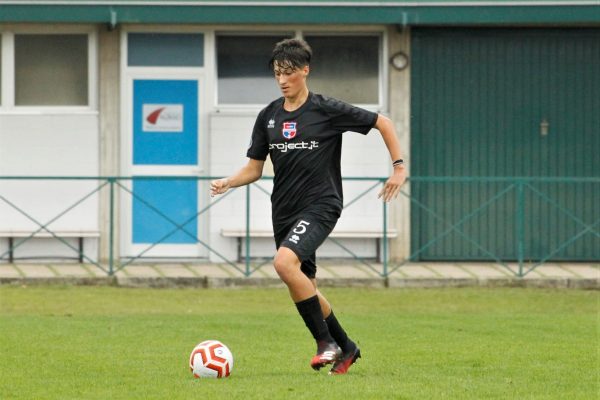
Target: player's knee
x=282 y=266
x=285 y=265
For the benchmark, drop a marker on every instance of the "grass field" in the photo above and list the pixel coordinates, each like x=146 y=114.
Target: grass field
x=114 y=343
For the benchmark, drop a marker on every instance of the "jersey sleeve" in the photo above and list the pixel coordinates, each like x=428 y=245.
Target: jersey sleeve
x=346 y=117
x=259 y=143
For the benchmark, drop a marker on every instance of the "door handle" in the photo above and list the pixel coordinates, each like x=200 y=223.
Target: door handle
x=544 y=126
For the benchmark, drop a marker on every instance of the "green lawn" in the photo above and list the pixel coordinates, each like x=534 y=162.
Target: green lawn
x=114 y=343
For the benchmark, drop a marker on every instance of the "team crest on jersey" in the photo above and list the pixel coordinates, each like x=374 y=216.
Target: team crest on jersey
x=289 y=130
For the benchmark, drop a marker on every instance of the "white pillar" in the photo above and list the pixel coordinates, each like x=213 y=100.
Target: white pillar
x=399 y=100
x=109 y=110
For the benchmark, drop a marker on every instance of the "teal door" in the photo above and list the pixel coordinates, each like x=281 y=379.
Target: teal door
x=505 y=103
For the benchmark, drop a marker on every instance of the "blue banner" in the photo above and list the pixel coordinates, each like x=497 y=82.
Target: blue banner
x=165 y=122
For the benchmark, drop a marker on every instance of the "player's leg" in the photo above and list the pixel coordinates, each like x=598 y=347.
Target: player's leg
x=287 y=266
x=307 y=303
x=350 y=351
x=294 y=248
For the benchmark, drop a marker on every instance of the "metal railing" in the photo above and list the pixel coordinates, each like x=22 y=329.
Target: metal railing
x=521 y=188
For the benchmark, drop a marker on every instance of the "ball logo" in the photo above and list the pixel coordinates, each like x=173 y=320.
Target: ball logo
x=289 y=130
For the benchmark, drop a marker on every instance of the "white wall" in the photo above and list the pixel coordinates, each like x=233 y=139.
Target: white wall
x=49 y=145
x=229 y=135
x=361 y=156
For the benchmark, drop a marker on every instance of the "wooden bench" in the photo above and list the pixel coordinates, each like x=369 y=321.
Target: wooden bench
x=80 y=235
x=240 y=234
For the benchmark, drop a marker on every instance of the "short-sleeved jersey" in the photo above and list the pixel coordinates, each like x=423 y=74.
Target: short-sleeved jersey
x=305 y=148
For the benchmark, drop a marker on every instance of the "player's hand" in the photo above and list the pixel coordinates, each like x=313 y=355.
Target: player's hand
x=392 y=186
x=219 y=186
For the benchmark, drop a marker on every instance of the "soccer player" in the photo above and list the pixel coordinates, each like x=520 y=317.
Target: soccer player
x=302 y=133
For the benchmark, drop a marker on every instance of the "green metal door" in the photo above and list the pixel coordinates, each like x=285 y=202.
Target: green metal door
x=505 y=103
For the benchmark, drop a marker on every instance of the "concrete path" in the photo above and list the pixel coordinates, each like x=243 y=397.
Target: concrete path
x=341 y=273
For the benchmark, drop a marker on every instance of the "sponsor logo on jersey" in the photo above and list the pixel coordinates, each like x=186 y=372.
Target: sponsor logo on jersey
x=289 y=130
x=285 y=146
x=271 y=124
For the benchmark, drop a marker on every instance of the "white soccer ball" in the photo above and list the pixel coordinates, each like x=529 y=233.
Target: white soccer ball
x=211 y=359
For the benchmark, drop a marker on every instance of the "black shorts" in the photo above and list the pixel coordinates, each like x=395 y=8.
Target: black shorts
x=304 y=236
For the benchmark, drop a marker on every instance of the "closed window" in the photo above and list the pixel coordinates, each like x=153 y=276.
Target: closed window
x=244 y=76
x=51 y=70
x=345 y=67
x=165 y=50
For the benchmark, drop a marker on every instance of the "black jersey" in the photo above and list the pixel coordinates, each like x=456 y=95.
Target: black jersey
x=305 y=148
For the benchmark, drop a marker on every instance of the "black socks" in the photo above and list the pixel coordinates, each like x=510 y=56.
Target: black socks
x=310 y=311
x=323 y=330
x=339 y=334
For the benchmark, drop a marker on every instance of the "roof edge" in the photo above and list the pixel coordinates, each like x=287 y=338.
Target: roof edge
x=300 y=3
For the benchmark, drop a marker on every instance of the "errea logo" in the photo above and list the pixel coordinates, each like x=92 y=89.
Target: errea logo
x=271 y=124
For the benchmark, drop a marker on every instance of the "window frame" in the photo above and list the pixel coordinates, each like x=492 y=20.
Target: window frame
x=300 y=32
x=8 y=34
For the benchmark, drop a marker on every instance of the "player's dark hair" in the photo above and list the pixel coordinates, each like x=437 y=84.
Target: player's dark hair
x=295 y=53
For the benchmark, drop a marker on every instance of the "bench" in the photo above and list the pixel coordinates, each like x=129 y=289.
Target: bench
x=240 y=234
x=80 y=235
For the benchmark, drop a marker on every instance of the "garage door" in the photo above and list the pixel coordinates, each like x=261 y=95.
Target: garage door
x=505 y=103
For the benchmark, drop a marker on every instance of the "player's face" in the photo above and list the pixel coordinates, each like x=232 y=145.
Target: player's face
x=291 y=80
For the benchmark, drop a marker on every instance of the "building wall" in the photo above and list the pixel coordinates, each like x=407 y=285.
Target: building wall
x=48 y=140
x=49 y=145
x=227 y=136
x=89 y=143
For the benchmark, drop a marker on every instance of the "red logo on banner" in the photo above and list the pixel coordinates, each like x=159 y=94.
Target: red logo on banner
x=153 y=117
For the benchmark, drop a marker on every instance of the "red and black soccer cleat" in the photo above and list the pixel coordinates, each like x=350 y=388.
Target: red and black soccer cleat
x=327 y=353
x=343 y=364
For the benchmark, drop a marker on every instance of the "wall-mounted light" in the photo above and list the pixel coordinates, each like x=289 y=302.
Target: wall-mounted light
x=399 y=60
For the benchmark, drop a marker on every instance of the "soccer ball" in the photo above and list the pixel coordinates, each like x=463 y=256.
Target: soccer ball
x=211 y=359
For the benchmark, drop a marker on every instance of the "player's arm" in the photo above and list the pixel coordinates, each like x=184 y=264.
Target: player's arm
x=251 y=172
x=392 y=186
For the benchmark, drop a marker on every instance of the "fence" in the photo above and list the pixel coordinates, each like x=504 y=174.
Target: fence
x=516 y=199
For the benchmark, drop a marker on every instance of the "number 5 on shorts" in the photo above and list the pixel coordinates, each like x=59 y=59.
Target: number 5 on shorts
x=298 y=230
x=301 y=227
